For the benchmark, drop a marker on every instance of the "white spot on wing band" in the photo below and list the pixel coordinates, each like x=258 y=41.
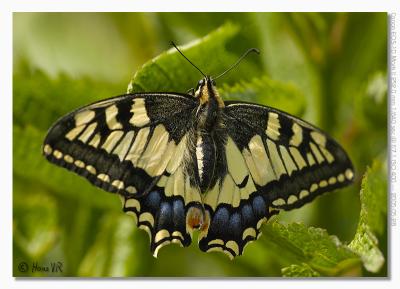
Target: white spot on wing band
x=279 y=202
x=91 y=169
x=47 y=149
x=162 y=234
x=303 y=194
x=79 y=164
x=73 y=133
x=87 y=133
x=139 y=117
x=105 y=178
x=319 y=138
x=292 y=199
x=349 y=174
x=118 y=184
x=249 y=232
x=132 y=203
x=57 y=154
x=111 y=117
x=131 y=190
x=84 y=117
x=273 y=126
x=147 y=217
x=297 y=137
x=68 y=159
x=112 y=140
x=216 y=242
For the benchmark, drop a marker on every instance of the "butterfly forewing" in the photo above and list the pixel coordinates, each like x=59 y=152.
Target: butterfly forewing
x=291 y=161
x=133 y=145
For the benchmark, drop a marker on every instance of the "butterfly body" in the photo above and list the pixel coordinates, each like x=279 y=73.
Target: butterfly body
x=184 y=162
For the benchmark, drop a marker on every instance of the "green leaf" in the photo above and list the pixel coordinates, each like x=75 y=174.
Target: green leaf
x=268 y=92
x=302 y=270
x=286 y=60
x=373 y=213
x=40 y=100
x=323 y=253
x=171 y=72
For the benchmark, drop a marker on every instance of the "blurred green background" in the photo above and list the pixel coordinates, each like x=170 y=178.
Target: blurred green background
x=336 y=63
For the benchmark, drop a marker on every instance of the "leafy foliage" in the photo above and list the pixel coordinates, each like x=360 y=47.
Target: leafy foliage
x=372 y=224
x=303 y=69
x=317 y=251
x=271 y=92
x=165 y=73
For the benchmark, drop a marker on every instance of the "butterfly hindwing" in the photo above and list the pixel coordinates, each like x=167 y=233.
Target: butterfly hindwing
x=162 y=217
x=236 y=209
x=133 y=145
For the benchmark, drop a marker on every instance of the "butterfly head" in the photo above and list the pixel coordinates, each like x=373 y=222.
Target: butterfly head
x=206 y=91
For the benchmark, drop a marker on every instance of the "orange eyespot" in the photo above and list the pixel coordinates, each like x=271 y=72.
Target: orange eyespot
x=194 y=218
x=197 y=219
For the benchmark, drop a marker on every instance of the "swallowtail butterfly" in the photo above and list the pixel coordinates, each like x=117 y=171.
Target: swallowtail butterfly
x=184 y=162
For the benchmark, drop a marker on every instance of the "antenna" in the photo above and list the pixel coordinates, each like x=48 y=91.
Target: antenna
x=176 y=47
x=238 y=61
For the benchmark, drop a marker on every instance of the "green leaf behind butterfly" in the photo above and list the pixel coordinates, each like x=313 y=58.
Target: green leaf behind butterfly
x=266 y=91
x=372 y=225
x=322 y=253
x=303 y=270
x=171 y=72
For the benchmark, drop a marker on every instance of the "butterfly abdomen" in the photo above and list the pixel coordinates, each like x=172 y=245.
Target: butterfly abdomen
x=206 y=160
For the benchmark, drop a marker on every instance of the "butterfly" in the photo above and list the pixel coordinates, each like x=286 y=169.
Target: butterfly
x=191 y=161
